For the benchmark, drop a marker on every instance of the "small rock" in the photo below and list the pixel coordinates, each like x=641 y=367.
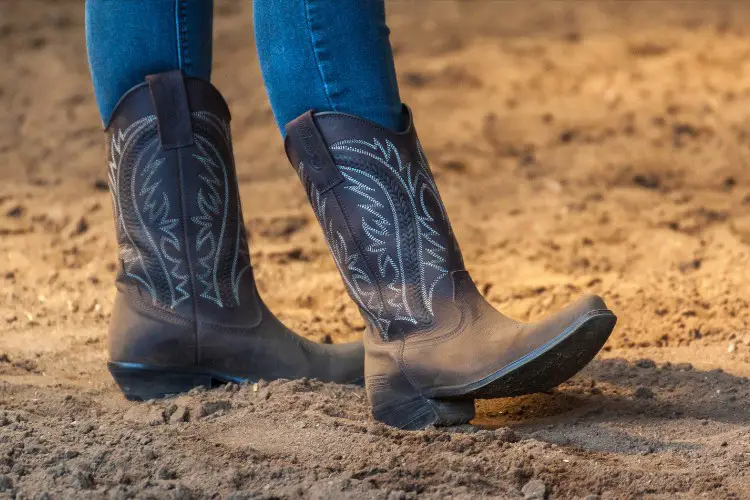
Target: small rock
x=143 y=414
x=643 y=393
x=211 y=407
x=647 y=181
x=169 y=410
x=80 y=227
x=534 y=489
x=181 y=414
x=6 y=483
x=732 y=347
x=506 y=435
x=166 y=474
x=16 y=211
x=645 y=363
x=567 y=136
x=84 y=480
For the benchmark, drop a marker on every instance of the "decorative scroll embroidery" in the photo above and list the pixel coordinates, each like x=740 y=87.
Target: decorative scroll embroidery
x=400 y=209
x=417 y=183
x=160 y=265
x=150 y=205
x=213 y=202
x=357 y=281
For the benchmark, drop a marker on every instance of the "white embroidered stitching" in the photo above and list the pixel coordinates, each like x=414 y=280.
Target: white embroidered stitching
x=368 y=301
x=210 y=204
x=129 y=253
x=426 y=241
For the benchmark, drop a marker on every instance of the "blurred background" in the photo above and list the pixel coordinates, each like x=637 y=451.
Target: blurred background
x=580 y=147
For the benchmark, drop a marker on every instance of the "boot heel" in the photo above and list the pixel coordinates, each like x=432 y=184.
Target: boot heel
x=396 y=403
x=141 y=383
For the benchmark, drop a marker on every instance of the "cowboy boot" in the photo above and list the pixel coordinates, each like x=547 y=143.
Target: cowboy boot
x=187 y=311
x=432 y=343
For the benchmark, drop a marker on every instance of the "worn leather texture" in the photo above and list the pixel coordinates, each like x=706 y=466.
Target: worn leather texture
x=186 y=292
x=392 y=242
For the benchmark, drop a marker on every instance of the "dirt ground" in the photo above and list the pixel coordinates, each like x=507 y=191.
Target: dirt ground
x=580 y=147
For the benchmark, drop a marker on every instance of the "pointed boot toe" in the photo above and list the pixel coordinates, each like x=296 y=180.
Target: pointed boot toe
x=553 y=350
x=432 y=343
x=187 y=312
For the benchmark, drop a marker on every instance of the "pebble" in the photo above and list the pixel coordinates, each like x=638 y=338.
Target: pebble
x=6 y=483
x=506 y=435
x=645 y=363
x=166 y=474
x=181 y=414
x=211 y=407
x=534 y=490
x=84 y=479
x=643 y=393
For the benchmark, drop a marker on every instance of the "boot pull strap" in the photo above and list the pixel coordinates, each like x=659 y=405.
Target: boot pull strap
x=172 y=109
x=307 y=146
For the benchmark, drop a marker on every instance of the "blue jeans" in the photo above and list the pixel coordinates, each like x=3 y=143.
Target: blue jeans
x=327 y=55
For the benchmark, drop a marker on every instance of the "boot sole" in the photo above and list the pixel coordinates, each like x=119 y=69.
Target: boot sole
x=396 y=403
x=140 y=382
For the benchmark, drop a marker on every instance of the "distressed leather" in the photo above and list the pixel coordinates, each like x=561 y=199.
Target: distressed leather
x=391 y=239
x=186 y=292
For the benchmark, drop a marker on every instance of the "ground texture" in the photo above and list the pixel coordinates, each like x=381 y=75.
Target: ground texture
x=580 y=147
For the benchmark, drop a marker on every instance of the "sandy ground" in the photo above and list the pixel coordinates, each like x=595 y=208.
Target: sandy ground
x=580 y=147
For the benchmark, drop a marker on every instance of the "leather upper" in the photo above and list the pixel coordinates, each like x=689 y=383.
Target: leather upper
x=381 y=214
x=377 y=202
x=187 y=296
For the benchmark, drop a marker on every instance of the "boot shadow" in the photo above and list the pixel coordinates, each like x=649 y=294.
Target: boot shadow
x=599 y=408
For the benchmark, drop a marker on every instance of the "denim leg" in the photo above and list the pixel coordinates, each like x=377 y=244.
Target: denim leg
x=327 y=55
x=129 y=39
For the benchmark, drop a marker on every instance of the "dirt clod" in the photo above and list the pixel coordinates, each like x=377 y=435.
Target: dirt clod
x=534 y=490
x=6 y=483
x=643 y=393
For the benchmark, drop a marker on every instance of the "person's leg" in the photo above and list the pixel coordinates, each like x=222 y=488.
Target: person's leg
x=327 y=55
x=129 y=39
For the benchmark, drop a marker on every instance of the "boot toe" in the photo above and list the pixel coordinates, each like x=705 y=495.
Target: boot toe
x=578 y=311
x=551 y=351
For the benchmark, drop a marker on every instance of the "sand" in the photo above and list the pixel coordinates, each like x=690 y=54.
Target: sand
x=579 y=147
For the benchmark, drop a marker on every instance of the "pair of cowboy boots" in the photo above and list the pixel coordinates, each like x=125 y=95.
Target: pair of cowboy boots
x=187 y=311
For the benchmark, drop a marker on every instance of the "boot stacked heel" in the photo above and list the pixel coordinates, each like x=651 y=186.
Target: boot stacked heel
x=142 y=382
x=396 y=403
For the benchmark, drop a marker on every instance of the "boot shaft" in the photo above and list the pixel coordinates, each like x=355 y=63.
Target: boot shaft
x=178 y=219
x=375 y=197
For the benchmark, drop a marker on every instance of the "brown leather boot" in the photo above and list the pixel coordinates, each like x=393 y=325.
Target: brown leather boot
x=187 y=312
x=433 y=344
